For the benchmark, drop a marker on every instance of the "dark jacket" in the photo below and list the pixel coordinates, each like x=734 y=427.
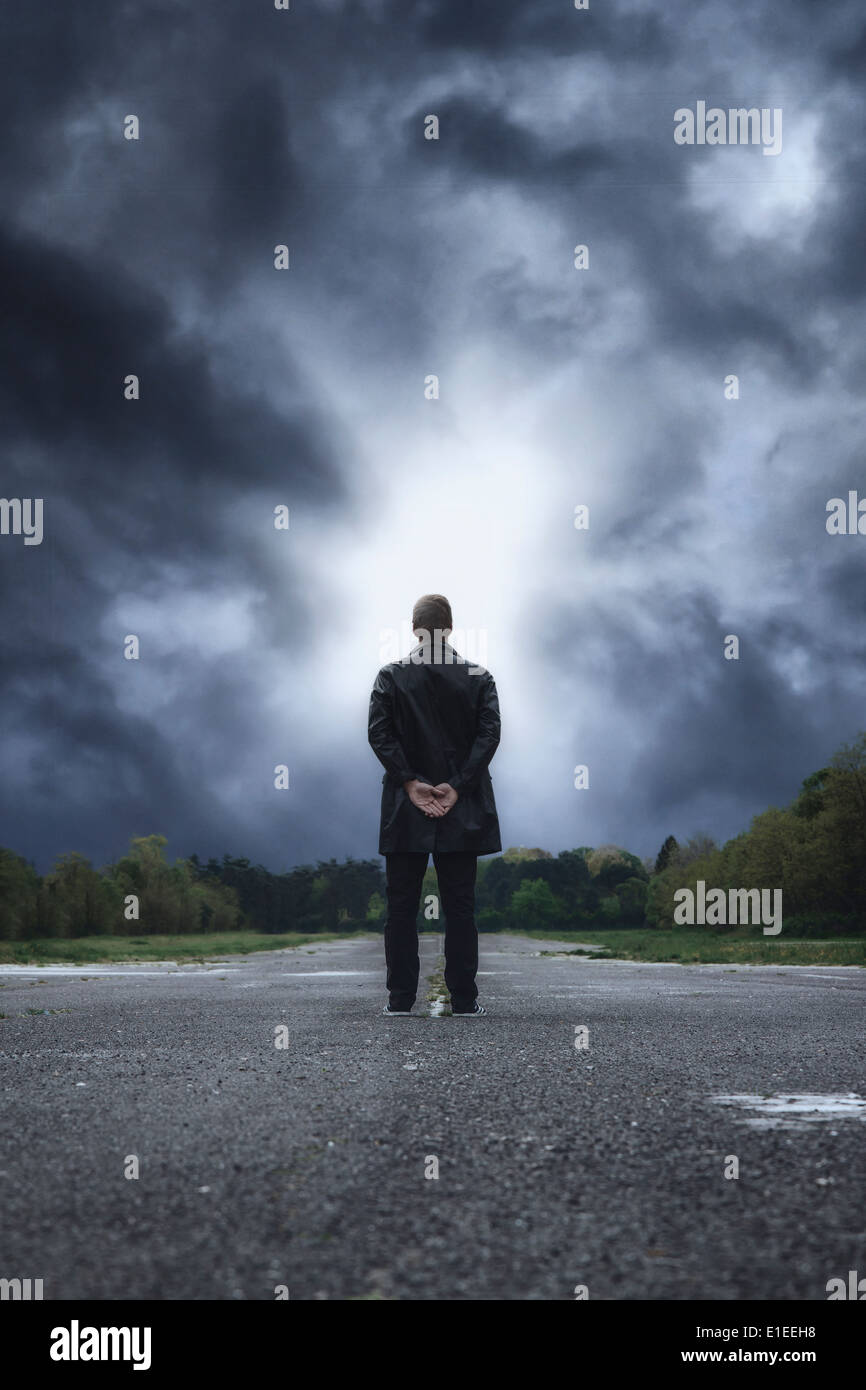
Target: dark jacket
x=434 y=721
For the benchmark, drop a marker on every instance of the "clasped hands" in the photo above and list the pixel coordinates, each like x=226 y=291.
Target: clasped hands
x=433 y=801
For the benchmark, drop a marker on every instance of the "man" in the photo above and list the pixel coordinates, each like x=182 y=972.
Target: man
x=434 y=726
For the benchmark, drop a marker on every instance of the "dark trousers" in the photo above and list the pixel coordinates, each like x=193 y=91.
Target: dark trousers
x=404 y=874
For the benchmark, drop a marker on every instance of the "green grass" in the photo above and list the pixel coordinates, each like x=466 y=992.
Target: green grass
x=438 y=990
x=687 y=947
x=92 y=950
x=684 y=947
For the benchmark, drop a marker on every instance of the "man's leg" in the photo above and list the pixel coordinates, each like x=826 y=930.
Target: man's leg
x=456 y=874
x=404 y=874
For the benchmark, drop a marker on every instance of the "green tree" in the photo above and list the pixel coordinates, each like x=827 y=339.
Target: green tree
x=376 y=908
x=610 y=910
x=533 y=905
x=665 y=854
x=811 y=800
x=19 y=887
x=168 y=899
x=610 y=865
x=698 y=846
x=632 y=896
x=87 y=903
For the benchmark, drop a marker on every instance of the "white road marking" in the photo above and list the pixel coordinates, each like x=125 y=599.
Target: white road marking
x=793 y=1109
x=317 y=974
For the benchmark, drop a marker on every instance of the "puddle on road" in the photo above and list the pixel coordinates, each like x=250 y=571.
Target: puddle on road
x=790 y=1110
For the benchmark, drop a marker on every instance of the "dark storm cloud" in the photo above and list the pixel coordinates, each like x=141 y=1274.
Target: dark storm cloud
x=720 y=735
x=515 y=26
x=98 y=776
x=850 y=59
x=69 y=336
x=128 y=488
x=482 y=139
x=843 y=586
x=751 y=300
x=156 y=258
x=250 y=150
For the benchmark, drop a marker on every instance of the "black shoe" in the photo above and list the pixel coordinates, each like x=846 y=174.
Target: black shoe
x=475 y=1012
x=396 y=1013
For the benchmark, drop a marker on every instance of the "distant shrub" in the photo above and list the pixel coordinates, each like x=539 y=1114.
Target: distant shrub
x=489 y=919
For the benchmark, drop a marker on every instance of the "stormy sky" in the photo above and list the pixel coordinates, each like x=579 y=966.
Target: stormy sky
x=305 y=388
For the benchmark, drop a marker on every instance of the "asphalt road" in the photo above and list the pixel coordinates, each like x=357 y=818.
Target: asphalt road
x=304 y=1165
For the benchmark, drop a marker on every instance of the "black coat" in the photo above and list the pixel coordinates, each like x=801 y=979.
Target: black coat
x=434 y=721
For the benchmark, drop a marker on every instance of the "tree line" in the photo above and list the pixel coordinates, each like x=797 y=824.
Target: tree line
x=814 y=850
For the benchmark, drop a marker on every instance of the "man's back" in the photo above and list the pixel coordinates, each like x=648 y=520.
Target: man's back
x=435 y=717
x=434 y=726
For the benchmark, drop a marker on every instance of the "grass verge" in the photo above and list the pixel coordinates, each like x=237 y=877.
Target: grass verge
x=706 y=948
x=92 y=950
